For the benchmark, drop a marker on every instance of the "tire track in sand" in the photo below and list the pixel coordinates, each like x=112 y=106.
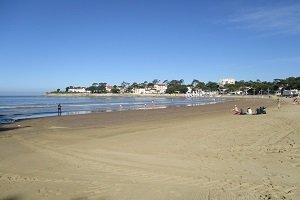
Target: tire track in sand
x=126 y=173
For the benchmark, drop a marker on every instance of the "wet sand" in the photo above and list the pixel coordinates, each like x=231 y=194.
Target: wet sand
x=202 y=152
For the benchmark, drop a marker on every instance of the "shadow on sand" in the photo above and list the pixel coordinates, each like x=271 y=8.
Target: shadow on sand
x=11 y=128
x=12 y=198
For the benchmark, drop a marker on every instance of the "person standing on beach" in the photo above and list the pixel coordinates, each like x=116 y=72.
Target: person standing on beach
x=59 y=110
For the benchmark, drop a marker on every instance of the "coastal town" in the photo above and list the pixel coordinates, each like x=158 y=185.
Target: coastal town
x=228 y=86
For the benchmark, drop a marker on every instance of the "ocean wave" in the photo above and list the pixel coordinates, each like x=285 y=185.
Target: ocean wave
x=24 y=107
x=104 y=104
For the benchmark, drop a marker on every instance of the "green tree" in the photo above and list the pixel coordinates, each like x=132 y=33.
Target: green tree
x=194 y=83
x=143 y=85
x=176 y=86
x=134 y=85
x=93 y=89
x=166 y=82
x=183 y=89
x=292 y=83
x=155 y=81
x=201 y=85
x=115 y=89
x=212 y=86
x=101 y=88
x=150 y=85
x=129 y=89
x=125 y=84
x=231 y=87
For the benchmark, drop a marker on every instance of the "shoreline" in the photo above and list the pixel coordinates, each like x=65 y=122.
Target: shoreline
x=123 y=104
x=220 y=108
x=87 y=112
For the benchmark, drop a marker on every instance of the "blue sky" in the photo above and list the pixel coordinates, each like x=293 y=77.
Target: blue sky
x=45 y=45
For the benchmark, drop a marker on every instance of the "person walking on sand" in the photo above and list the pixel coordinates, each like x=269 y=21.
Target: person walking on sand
x=59 y=109
x=278 y=104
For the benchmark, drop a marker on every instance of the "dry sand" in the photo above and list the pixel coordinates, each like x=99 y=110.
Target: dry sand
x=202 y=152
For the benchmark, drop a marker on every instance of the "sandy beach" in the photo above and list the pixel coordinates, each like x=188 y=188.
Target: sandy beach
x=202 y=152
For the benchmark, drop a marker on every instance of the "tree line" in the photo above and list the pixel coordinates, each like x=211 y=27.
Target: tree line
x=264 y=87
x=179 y=86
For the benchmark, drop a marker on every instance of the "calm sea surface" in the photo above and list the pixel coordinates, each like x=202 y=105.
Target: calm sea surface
x=24 y=107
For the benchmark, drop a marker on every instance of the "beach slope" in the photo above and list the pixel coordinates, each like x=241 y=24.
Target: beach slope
x=202 y=152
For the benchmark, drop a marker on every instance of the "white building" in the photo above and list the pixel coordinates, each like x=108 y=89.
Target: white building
x=291 y=93
x=227 y=81
x=160 y=88
x=139 y=91
x=78 y=90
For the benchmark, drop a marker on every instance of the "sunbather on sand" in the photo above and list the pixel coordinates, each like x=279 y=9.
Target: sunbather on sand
x=236 y=110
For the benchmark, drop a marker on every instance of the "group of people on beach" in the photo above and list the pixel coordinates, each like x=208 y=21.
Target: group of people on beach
x=237 y=111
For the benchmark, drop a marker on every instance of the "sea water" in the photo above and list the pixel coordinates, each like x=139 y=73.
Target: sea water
x=25 y=107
